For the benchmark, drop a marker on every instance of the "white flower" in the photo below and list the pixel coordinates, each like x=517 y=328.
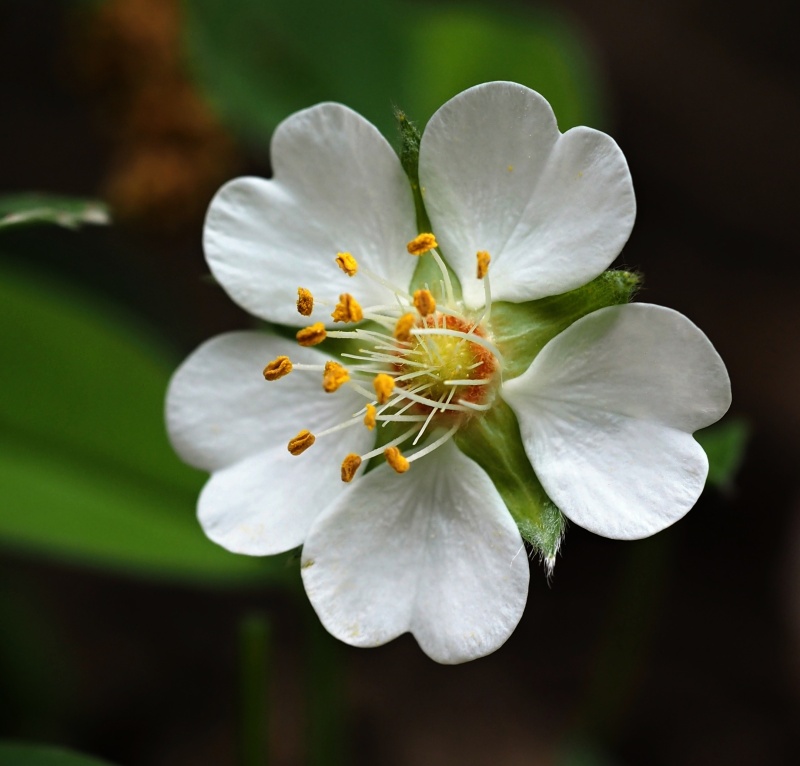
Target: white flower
x=424 y=542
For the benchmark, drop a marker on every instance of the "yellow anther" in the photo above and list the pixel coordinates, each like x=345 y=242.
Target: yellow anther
x=483 y=263
x=334 y=377
x=384 y=385
x=311 y=336
x=347 y=264
x=395 y=459
x=305 y=301
x=277 y=368
x=347 y=309
x=402 y=330
x=349 y=466
x=369 y=418
x=422 y=243
x=301 y=442
x=424 y=302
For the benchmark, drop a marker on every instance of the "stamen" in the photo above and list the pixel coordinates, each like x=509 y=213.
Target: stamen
x=369 y=418
x=384 y=385
x=347 y=309
x=311 y=336
x=396 y=460
x=422 y=243
x=305 y=301
x=402 y=330
x=483 y=259
x=277 y=368
x=334 y=377
x=446 y=283
x=424 y=302
x=434 y=445
x=347 y=264
x=349 y=467
x=301 y=442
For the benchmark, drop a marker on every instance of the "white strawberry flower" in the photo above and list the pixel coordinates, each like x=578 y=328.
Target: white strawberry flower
x=478 y=385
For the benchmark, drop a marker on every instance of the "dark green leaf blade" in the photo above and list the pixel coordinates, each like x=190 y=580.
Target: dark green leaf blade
x=87 y=471
x=17 y=754
x=725 y=443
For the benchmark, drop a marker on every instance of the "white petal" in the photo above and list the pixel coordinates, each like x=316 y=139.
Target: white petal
x=607 y=410
x=433 y=551
x=221 y=410
x=553 y=210
x=223 y=416
x=338 y=187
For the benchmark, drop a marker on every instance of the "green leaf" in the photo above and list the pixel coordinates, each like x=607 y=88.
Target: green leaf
x=31 y=209
x=494 y=442
x=13 y=754
x=522 y=329
x=725 y=445
x=456 y=47
x=87 y=472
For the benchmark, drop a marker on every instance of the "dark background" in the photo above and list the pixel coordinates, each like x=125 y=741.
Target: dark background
x=682 y=649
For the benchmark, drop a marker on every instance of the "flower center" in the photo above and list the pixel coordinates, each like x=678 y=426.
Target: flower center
x=431 y=365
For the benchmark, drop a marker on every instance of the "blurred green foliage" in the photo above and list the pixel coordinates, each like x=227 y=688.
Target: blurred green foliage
x=87 y=471
x=32 y=209
x=267 y=60
x=725 y=444
x=38 y=755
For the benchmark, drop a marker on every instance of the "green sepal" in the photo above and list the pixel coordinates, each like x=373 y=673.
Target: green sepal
x=521 y=330
x=493 y=441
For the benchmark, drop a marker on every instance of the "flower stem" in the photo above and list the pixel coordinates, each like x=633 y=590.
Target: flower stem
x=254 y=678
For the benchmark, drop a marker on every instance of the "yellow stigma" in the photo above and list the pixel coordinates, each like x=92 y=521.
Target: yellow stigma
x=334 y=377
x=347 y=264
x=311 y=336
x=301 y=442
x=395 y=459
x=483 y=263
x=369 y=418
x=402 y=330
x=349 y=466
x=422 y=243
x=347 y=309
x=305 y=301
x=424 y=302
x=277 y=368
x=384 y=385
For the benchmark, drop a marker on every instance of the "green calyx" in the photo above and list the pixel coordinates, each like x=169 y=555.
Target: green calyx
x=493 y=440
x=521 y=330
x=494 y=443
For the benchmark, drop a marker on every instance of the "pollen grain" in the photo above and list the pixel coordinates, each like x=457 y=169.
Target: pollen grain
x=277 y=368
x=384 y=385
x=305 y=301
x=396 y=460
x=312 y=335
x=334 y=377
x=424 y=302
x=349 y=467
x=347 y=309
x=483 y=259
x=347 y=264
x=301 y=442
x=422 y=243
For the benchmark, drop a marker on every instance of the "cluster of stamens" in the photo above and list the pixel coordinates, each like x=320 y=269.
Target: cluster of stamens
x=423 y=362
